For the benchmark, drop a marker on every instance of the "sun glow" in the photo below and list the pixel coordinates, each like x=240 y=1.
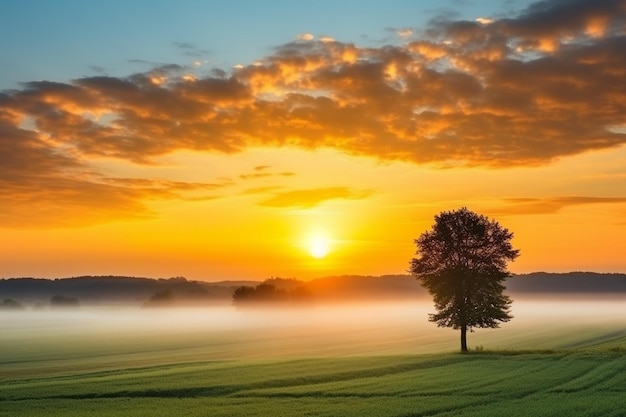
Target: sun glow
x=319 y=246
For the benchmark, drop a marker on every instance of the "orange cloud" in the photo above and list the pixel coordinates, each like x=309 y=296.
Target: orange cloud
x=552 y=204
x=522 y=90
x=492 y=105
x=263 y=171
x=312 y=197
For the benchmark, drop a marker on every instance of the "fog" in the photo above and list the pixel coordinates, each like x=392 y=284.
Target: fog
x=88 y=338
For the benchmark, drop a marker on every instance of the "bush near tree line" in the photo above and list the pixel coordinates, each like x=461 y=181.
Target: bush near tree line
x=270 y=293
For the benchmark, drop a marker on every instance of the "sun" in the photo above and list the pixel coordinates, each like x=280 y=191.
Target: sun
x=319 y=246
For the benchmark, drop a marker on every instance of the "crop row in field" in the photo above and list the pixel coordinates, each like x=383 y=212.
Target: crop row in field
x=480 y=384
x=54 y=343
x=373 y=360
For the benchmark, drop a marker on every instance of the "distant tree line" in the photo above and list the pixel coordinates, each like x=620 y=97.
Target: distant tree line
x=164 y=298
x=64 y=302
x=11 y=304
x=273 y=290
x=39 y=293
x=57 y=301
x=93 y=290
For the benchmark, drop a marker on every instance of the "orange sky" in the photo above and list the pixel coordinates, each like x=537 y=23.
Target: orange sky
x=228 y=175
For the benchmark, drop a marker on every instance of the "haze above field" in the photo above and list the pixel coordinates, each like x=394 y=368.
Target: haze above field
x=249 y=139
x=368 y=360
x=113 y=337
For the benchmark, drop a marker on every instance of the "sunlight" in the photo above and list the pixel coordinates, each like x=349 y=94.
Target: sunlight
x=319 y=246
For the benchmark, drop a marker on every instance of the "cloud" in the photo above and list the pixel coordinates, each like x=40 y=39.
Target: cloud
x=260 y=190
x=551 y=205
x=312 y=197
x=44 y=187
x=305 y=37
x=484 y=20
x=263 y=171
x=97 y=69
x=83 y=199
x=191 y=49
x=405 y=33
x=522 y=90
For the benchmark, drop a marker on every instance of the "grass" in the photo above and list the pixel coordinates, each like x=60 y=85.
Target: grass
x=73 y=368
x=587 y=383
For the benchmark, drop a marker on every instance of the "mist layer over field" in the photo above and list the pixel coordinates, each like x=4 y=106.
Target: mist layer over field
x=96 y=338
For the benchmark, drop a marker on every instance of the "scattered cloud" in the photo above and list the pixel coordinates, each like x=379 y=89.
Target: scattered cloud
x=83 y=199
x=522 y=90
x=305 y=37
x=97 y=69
x=185 y=45
x=405 y=33
x=550 y=205
x=190 y=49
x=42 y=186
x=261 y=190
x=264 y=173
x=312 y=197
x=484 y=20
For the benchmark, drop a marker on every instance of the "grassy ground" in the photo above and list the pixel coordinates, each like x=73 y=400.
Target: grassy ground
x=574 y=383
x=378 y=362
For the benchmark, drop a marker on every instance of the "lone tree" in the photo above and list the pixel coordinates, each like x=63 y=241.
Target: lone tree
x=462 y=262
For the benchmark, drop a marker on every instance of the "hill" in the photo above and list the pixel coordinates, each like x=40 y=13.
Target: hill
x=134 y=290
x=405 y=286
x=356 y=287
x=570 y=283
x=115 y=289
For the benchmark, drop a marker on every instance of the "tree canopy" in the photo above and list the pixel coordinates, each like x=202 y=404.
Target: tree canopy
x=11 y=304
x=270 y=291
x=462 y=262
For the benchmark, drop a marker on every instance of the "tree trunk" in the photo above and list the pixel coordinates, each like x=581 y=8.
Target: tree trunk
x=463 y=338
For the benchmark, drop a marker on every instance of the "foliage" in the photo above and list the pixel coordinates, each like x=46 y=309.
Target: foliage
x=114 y=290
x=161 y=298
x=11 y=304
x=462 y=261
x=64 y=302
x=268 y=292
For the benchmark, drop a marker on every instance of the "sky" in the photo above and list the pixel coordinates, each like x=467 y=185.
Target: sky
x=245 y=140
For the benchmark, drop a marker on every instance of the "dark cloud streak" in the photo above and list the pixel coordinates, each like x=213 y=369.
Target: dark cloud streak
x=550 y=205
x=312 y=197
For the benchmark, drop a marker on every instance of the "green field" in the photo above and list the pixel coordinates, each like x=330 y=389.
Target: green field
x=530 y=384
x=73 y=367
